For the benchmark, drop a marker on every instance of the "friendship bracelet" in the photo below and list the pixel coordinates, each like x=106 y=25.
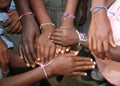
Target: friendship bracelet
x=25 y=14
x=43 y=67
x=46 y=24
x=97 y=8
x=68 y=15
x=81 y=36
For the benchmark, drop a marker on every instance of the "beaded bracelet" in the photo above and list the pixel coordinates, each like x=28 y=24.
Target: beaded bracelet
x=97 y=8
x=43 y=67
x=68 y=15
x=25 y=14
x=46 y=24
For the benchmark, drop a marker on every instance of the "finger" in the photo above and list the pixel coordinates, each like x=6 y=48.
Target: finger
x=84 y=63
x=4 y=68
x=38 y=52
x=42 y=53
x=63 y=50
x=79 y=74
x=67 y=49
x=20 y=52
x=83 y=68
x=14 y=29
x=99 y=49
x=11 y=27
x=54 y=38
x=58 y=42
x=111 y=41
x=59 y=48
x=56 y=34
x=8 y=22
x=19 y=29
x=52 y=52
x=24 y=57
x=90 y=42
x=107 y=50
x=46 y=53
x=83 y=59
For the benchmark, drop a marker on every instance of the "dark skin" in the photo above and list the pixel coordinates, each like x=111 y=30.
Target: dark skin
x=13 y=23
x=71 y=66
x=100 y=41
x=46 y=48
x=65 y=40
x=29 y=34
x=5 y=56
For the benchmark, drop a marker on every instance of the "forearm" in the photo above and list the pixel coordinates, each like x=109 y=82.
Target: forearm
x=40 y=11
x=70 y=8
x=25 y=79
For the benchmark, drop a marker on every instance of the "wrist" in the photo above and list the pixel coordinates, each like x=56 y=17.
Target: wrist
x=67 y=22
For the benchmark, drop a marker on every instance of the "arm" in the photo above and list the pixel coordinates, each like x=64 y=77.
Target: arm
x=45 y=47
x=30 y=31
x=71 y=66
x=99 y=40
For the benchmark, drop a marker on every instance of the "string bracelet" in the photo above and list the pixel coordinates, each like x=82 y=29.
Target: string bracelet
x=81 y=36
x=42 y=66
x=25 y=14
x=68 y=15
x=98 y=8
x=44 y=24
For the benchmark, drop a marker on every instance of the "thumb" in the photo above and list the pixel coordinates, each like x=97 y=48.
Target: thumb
x=111 y=41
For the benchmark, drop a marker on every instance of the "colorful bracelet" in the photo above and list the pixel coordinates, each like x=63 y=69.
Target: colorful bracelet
x=81 y=36
x=46 y=24
x=98 y=8
x=68 y=15
x=43 y=67
x=25 y=14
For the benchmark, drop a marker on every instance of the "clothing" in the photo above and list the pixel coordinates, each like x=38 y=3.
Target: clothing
x=108 y=68
x=11 y=40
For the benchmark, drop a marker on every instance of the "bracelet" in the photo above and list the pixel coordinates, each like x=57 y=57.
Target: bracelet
x=25 y=14
x=68 y=15
x=46 y=24
x=43 y=67
x=97 y=8
x=81 y=36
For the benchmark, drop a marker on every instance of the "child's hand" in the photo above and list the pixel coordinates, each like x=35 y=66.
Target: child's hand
x=4 y=56
x=73 y=65
x=65 y=36
x=13 y=23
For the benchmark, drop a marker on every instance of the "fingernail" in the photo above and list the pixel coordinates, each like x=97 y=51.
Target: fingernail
x=85 y=74
x=38 y=59
x=76 y=53
x=21 y=57
x=91 y=60
x=27 y=64
x=33 y=65
x=67 y=49
x=93 y=66
x=62 y=52
x=94 y=63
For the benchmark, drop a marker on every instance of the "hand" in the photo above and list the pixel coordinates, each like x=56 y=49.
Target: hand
x=45 y=47
x=99 y=40
x=65 y=36
x=73 y=65
x=29 y=35
x=4 y=56
x=13 y=22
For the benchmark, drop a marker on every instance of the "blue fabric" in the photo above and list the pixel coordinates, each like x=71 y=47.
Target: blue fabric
x=8 y=43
